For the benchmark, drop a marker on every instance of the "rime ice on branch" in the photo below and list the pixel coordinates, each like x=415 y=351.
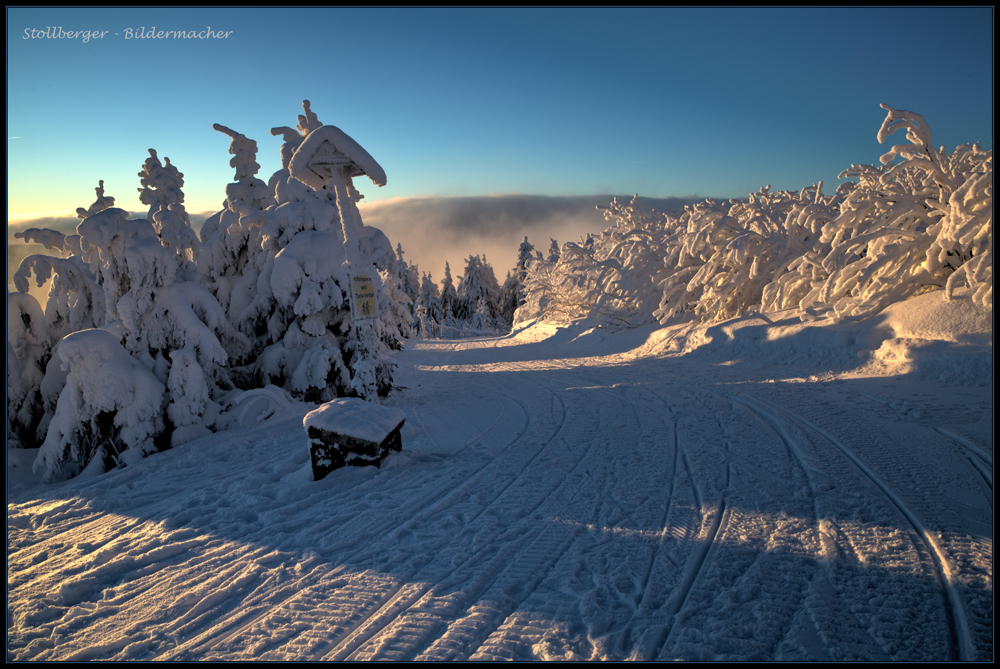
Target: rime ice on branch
x=162 y=192
x=248 y=193
x=54 y=240
x=100 y=204
x=902 y=228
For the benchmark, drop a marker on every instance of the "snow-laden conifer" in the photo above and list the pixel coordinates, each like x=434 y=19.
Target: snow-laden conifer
x=280 y=268
x=553 y=251
x=112 y=406
x=479 y=283
x=449 y=296
x=162 y=191
x=509 y=292
x=408 y=275
x=137 y=301
x=430 y=300
x=232 y=244
x=29 y=348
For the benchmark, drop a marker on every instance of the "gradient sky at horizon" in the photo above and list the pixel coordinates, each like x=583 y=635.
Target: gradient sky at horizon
x=460 y=102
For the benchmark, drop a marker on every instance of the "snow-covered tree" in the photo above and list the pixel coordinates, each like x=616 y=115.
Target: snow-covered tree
x=111 y=407
x=29 y=348
x=162 y=191
x=553 y=251
x=75 y=300
x=430 y=300
x=100 y=204
x=728 y=253
x=920 y=224
x=277 y=269
x=481 y=318
x=281 y=267
x=478 y=284
x=232 y=242
x=409 y=276
x=509 y=293
x=449 y=296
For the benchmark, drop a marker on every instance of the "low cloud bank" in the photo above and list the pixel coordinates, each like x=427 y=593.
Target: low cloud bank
x=433 y=230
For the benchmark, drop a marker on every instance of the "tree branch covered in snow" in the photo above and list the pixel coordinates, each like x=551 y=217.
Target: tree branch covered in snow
x=148 y=331
x=900 y=229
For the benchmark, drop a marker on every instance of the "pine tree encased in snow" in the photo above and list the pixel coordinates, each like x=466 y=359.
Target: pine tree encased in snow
x=111 y=402
x=161 y=190
x=186 y=326
x=29 y=348
x=288 y=287
x=478 y=294
x=449 y=297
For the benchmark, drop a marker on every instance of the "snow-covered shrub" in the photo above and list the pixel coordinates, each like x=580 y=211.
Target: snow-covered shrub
x=729 y=254
x=612 y=278
x=111 y=407
x=565 y=290
x=922 y=224
x=900 y=229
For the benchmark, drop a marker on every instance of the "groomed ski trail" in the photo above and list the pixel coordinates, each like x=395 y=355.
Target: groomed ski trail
x=557 y=497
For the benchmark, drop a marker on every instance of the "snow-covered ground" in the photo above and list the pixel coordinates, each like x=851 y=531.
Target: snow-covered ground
x=759 y=489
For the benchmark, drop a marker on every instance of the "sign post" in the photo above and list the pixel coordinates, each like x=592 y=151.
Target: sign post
x=363 y=306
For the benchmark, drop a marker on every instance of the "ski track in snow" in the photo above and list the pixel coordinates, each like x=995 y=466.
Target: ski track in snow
x=554 y=499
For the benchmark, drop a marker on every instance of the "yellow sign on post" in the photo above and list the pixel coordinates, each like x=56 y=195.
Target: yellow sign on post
x=362 y=297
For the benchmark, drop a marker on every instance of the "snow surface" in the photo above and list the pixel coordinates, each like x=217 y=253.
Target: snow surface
x=354 y=417
x=756 y=489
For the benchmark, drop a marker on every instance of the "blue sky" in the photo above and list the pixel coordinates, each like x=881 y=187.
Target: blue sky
x=663 y=102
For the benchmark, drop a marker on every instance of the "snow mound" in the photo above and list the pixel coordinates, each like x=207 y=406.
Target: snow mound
x=933 y=316
x=937 y=339
x=929 y=337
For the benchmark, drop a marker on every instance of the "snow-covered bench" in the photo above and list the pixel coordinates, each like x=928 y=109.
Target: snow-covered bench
x=351 y=431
